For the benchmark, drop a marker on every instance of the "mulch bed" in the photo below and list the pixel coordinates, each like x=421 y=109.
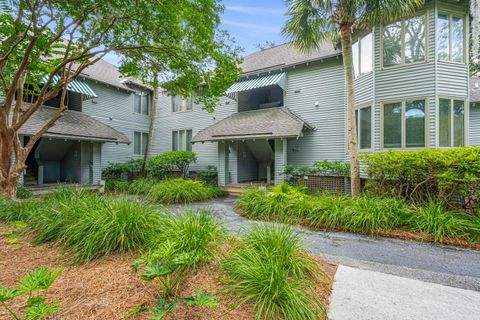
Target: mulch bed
x=107 y=289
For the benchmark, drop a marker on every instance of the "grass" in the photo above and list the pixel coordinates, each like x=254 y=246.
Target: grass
x=364 y=214
x=181 y=191
x=141 y=186
x=271 y=269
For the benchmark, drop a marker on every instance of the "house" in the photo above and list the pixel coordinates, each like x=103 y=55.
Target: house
x=412 y=92
x=107 y=121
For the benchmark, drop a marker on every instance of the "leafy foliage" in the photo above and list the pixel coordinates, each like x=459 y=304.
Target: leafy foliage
x=34 y=281
x=117 y=185
x=202 y=298
x=322 y=168
x=271 y=269
x=122 y=171
x=208 y=176
x=159 y=166
x=162 y=309
x=364 y=214
x=450 y=176
x=182 y=191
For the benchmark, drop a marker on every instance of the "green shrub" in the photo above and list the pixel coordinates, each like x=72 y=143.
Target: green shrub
x=183 y=242
x=120 y=171
x=271 y=269
x=443 y=175
x=91 y=226
x=117 y=185
x=182 y=191
x=208 y=176
x=23 y=192
x=160 y=166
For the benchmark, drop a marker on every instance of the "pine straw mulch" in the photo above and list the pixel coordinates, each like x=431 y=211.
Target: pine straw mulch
x=107 y=288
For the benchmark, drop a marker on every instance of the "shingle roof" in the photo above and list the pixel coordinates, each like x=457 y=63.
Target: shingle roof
x=107 y=73
x=284 y=55
x=257 y=124
x=72 y=125
x=474 y=89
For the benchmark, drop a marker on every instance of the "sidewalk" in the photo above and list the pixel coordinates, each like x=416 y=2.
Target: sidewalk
x=361 y=295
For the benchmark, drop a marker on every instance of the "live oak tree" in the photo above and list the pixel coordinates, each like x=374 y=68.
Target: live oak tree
x=313 y=22
x=46 y=44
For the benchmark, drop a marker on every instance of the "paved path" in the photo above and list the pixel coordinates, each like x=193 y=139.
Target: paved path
x=361 y=295
x=437 y=264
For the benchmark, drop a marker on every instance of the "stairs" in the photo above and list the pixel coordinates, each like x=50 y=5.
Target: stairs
x=29 y=177
x=233 y=190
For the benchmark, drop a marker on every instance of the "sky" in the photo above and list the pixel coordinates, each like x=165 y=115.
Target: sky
x=250 y=22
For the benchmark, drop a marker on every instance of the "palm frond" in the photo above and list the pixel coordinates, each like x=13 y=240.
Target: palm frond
x=372 y=12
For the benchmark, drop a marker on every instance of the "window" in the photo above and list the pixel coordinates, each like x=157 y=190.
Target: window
x=404 y=41
x=404 y=124
x=363 y=55
x=451 y=38
x=140 y=141
x=451 y=123
x=181 y=104
x=364 y=127
x=141 y=103
x=181 y=140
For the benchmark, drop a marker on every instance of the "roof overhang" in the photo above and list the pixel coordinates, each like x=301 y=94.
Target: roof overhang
x=272 y=123
x=279 y=79
x=76 y=86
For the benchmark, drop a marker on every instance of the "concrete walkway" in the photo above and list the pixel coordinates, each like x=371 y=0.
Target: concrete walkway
x=383 y=278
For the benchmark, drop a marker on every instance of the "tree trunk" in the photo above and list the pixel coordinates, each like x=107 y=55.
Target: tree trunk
x=346 y=41
x=151 y=129
x=10 y=170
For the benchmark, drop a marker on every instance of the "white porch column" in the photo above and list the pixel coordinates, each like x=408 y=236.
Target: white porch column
x=281 y=149
x=222 y=166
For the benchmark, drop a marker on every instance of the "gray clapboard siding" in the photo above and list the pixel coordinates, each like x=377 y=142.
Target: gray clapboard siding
x=474 y=126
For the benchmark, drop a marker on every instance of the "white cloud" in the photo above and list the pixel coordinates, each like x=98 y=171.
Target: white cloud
x=255 y=10
x=252 y=26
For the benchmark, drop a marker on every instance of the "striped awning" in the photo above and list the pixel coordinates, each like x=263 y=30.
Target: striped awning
x=76 y=86
x=245 y=85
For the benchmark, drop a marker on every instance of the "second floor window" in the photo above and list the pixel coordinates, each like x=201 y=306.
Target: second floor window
x=363 y=55
x=404 y=41
x=181 y=140
x=364 y=127
x=181 y=103
x=451 y=38
x=404 y=124
x=140 y=140
x=451 y=123
x=141 y=103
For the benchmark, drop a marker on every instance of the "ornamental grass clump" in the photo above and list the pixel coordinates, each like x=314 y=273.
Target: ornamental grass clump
x=271 y=269
x=141 y=186
x=16 y=210
x=181 y=191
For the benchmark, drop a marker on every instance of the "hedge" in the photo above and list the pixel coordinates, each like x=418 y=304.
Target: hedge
x=450 y=176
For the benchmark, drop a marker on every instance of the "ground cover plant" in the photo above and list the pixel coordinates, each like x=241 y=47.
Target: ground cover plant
x=364 y=214
x=181 y=191
x=270 y=269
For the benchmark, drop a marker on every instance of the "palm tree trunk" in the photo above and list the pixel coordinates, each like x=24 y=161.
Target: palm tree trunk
x=151 y=129
x=346 y=41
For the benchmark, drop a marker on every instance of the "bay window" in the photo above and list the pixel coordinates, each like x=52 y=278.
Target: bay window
x=363 y=117
x=363 y=55
x=404 y=124
x=451 y=131
x=450 y=38
x=404 y=41
x=181 y=140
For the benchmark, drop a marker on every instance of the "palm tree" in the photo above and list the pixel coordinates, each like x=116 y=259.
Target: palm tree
x=312 y=22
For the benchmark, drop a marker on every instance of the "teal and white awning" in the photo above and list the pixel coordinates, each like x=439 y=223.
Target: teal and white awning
x=76 y=86
x=279 y=79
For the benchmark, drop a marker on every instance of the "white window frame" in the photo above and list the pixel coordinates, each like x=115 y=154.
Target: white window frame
x=189 y=105
x=142 y=133
x=141 y=95
x=452 y=127
x=359 y=60
x=402 y=40
x=403 y=141
x=357 y=109
x=185 y=135
x=450 y=38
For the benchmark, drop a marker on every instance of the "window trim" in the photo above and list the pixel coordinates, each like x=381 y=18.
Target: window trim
x=141 y=94
x=450 y=16
x=177 y=97
x=141 y=142
x=372 y=125
x=402 y=63
x=403 y=101
x=358 y=40
x=466 y=116
x=178 y=130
